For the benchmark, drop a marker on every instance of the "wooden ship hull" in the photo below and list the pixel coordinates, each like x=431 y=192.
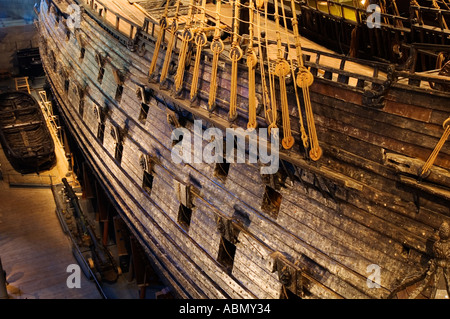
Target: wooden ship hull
x=317 y=227
x=24 y=135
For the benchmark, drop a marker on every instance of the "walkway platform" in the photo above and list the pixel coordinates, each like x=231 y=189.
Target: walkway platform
x=34 y=250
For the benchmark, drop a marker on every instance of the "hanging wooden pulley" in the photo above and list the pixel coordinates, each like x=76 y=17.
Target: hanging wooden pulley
x=304 y=78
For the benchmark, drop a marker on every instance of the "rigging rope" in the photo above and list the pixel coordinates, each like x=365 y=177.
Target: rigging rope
x=251 y=64
x=163 y=26
x=298 y=49
x=173 y=30
x=265 y=92
x=432 y=158
x=282 y=69
x=399 y=23
x=188 y=35
x=235 y=56
x=217 y=47
x=304 y=80
x=271 y=114
x=200 y=41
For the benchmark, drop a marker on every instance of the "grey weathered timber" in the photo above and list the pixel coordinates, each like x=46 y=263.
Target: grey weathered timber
x=337 y=216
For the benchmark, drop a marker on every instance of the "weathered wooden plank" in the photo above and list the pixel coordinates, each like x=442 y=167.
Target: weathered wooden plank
x=408 y=111
x=421 y=99
x=292 y=218
x=371 y=114
x=240 y=290
x=344 y=221
x=381 y=141
x=320 y=88
x=143 y=234
x=351 y=121
x=256 y=223
x=342 y=278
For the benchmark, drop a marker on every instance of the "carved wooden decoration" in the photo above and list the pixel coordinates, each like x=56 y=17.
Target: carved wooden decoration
x=119 y=76
x=100 y=59
x=147 y=162
x=290 y=274
x=434 y=282
x=183 y=193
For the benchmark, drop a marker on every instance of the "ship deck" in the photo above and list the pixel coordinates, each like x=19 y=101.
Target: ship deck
x=137 y=11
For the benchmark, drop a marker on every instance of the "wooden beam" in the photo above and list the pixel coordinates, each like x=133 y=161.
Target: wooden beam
x=87 y=187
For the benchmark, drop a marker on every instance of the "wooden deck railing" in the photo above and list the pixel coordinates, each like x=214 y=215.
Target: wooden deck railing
x=123 y=29
x=342 y=74
x=442 y=17
x=353 y=14
x=120 y=23
x=424 y=80
x=126 y=31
